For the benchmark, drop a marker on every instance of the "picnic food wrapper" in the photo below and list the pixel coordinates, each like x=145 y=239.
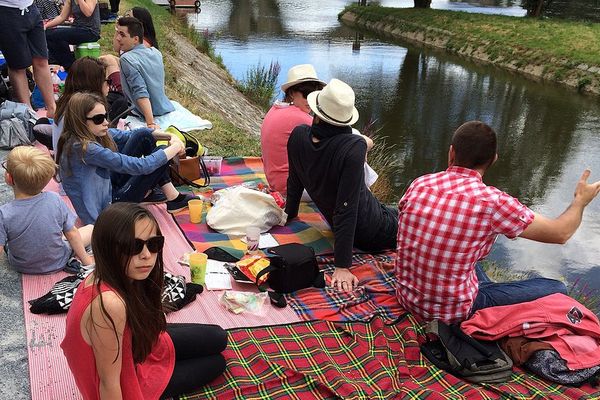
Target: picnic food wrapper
x=252 y=265
x=238 y=302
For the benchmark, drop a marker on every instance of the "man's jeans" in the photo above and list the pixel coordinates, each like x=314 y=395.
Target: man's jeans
x=501 y=294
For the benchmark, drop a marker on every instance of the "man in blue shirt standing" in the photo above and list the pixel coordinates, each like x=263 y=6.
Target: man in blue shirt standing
x=142 y=72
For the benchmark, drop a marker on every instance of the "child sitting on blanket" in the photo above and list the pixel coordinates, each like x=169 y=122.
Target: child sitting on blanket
x=98 y=167
x=117 y=342
x=33 y=224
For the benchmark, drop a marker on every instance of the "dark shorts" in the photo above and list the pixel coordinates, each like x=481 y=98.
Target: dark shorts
x=22 y=36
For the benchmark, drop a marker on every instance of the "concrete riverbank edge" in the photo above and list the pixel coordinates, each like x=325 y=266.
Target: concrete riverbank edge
x=439 y=29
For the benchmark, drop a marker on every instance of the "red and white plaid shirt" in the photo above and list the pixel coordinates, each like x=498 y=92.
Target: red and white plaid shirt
x=448 y=221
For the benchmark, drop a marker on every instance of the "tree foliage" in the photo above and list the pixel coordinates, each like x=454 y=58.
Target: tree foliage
x=535 y=8
x=422 y=3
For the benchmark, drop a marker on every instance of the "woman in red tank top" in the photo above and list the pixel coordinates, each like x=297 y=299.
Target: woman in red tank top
x=117 y=342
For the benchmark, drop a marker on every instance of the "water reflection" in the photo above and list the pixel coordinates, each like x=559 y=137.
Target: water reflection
x=254 y=17
x=419 y=96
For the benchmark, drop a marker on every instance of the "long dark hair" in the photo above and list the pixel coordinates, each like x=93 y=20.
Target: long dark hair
x=112 y=244
x=76 y=130
x=86 y=74
x=146 y=19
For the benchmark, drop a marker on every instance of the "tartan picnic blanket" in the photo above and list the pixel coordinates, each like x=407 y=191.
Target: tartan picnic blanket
x=374 y=296
x=353 y=360
x=310 y=228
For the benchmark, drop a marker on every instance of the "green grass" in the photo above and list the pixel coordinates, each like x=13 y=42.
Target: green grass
x=578 y=42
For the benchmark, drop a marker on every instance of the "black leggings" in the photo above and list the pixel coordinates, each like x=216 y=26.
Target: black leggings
x=198 y=358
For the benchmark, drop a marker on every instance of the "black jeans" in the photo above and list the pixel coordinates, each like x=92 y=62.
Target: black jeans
x=114 y=6
x=133 y=188
x=61 y=37
x=198 y=358
x=385 y=238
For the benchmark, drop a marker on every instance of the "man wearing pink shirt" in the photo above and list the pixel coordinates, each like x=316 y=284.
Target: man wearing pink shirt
x=449 y=220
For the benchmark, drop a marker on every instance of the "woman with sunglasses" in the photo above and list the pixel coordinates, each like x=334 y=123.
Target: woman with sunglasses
x=282 y=118
x=87 y=74
x=117 y=342
x=98 y=167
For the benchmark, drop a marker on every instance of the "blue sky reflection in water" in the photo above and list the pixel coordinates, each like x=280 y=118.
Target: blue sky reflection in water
x=547 y=134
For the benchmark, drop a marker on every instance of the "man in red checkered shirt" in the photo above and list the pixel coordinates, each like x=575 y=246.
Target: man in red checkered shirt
x=449 y=221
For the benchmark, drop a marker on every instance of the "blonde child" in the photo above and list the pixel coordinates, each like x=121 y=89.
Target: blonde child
x=33 y=224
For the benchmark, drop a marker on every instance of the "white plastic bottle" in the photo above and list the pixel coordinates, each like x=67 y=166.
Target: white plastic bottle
x=55 y=85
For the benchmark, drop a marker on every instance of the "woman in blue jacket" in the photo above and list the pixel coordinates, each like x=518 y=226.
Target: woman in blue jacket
x=89 y=153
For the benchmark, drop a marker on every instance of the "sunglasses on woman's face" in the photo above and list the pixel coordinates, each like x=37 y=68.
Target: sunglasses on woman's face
x=98 y=118
x=153 y=244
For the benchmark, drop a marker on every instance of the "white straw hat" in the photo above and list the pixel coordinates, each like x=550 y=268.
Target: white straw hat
x=334 y=104
x=300 y=73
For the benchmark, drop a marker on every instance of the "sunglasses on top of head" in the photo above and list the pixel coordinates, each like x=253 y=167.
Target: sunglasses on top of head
x=153 y=244
x=98 y=118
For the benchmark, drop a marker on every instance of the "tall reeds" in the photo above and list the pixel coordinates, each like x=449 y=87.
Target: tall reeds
x=259 y=85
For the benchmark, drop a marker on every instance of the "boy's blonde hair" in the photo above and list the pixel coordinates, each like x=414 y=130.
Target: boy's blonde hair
x=31 y=169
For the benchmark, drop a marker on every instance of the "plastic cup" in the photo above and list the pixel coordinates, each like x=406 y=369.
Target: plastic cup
x=252 y=238
x=195 y=208
x=198 y=267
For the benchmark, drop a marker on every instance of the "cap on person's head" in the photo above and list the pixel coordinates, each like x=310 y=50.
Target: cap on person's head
x=299 y=74
x=334 y=104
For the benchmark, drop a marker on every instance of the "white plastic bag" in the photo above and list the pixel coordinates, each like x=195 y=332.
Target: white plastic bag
x=240 y=207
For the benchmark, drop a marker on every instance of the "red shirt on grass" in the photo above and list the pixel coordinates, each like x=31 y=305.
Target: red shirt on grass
x=447 y=222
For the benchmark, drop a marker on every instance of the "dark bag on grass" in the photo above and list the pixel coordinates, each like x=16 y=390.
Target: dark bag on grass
x=293 y=267
x=464 y=356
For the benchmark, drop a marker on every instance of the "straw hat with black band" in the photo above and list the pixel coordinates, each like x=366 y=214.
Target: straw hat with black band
x=334 y=104
x=299 y=74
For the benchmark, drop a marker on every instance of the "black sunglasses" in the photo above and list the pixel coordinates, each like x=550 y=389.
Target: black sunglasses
x=109 y=81
x=4 y=165
x=98 y=118
x=153 y=244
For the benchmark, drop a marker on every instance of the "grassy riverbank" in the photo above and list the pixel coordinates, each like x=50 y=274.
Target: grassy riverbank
x=565 y=52
x=224 y=139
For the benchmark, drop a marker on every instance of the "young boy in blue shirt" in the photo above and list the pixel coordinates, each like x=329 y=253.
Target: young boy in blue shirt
x=33 y=224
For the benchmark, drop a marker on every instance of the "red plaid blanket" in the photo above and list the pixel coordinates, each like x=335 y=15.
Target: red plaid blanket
x=353 y=360
x=375 y=295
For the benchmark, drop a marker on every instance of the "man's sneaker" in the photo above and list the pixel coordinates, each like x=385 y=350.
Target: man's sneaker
x=156 y=196
x=177 y=205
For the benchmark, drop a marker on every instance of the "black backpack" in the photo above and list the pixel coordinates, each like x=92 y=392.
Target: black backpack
x=293 y=267
x=464 y=356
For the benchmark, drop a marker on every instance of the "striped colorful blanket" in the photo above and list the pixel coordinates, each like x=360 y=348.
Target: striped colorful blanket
x=309 y=228
x=353 y=360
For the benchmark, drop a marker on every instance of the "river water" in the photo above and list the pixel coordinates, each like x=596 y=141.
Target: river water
x=547 y=134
